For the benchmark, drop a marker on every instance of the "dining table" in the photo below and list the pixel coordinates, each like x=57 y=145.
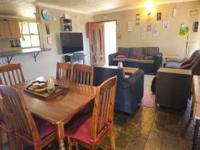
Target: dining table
x=61 y=109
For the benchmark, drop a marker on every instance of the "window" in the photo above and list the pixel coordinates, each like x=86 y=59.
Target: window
x=29 y=34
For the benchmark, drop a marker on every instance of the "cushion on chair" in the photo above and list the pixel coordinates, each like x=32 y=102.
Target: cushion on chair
x=44 y=128
x=83 y=132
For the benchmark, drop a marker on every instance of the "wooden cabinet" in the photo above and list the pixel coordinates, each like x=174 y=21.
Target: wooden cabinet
x=14 y=28
x=9 y=29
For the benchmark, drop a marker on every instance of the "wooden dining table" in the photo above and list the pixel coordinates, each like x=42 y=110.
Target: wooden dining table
x=60 y=110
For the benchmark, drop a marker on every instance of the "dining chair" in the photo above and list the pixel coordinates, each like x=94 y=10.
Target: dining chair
x=25 y=127
x=82 y=74
x=64 y=71
x=91 y=132
x=10 y=74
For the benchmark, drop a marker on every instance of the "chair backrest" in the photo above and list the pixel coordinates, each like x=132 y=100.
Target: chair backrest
x=17 y=113
x=64 y=71
x=11 y=74
x=82 y=74
x=103 y=111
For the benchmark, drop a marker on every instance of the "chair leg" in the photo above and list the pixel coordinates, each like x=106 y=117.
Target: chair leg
x=76 y=145
x=112 y=140
x=37 y=147
x=69 y=143
x=1 y=140
x=13 y=142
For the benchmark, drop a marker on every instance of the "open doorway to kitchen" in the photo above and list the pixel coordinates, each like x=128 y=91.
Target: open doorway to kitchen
x=110 y=38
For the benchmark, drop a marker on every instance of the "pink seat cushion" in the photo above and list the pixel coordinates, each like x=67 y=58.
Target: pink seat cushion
x=82 y=131
x=44 y=128
x=4 y=127
x=121 y=56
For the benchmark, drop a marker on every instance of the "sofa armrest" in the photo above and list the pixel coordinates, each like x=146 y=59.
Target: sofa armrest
x=158 y=60
x=110 y=58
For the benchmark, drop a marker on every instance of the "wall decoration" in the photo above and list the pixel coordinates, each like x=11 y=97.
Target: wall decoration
x=137 y=19
x=47 y=28
x=165 y=24
x=149 y=28
x=196 y=26
x=155 y=32
x=159 y=16
x=174 y=13
x=130 y=26
x=66 y=24
x=194 y=12
x=45 y=14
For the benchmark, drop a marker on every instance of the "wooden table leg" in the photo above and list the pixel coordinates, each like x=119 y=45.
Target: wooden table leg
x=61 y=136
x=196 y=132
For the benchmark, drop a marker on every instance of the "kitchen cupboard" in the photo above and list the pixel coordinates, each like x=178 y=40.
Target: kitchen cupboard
x=9 y=29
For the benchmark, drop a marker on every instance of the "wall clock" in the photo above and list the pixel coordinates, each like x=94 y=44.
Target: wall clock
x=45 y=14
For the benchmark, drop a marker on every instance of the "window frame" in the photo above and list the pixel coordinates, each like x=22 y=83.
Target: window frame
x=29 y=33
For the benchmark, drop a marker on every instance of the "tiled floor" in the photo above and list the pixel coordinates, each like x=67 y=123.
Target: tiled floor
x=151 y=129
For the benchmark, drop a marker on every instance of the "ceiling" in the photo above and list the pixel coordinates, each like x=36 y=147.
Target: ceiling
x=27 y=7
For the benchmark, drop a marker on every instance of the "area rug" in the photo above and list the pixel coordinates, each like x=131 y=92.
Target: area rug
x=148 y=100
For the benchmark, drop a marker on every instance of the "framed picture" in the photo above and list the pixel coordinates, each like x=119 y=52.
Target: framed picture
x=159 y=16
x=137 y=20
x=196 y=26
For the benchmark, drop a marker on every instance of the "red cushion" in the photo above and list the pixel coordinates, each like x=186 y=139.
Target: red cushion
x=44 y=128
x=4 y=127
x=83 y=132
x=121 y=56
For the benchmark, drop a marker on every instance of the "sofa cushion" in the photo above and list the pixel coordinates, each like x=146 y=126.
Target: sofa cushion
x=120 y=56
x=150 y=51
x=119 y=59
x=136 y=53
x=149 y=57
x=139 y=61
x=123 y=51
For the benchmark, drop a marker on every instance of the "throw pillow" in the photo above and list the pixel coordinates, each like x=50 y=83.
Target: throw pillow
x=120 y=56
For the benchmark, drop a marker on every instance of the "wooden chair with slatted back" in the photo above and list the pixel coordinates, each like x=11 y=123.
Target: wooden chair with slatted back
x=92 y=131
x=82 y=74
x=64 y=71
x=25 y=127
x=11 y=74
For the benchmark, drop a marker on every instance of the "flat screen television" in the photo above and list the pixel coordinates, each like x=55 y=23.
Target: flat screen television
x=71 y=42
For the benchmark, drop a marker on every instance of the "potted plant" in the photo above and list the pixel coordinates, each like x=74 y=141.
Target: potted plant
x=184 y=31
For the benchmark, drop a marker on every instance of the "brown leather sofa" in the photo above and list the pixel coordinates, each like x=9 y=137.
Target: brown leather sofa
x=193 y=63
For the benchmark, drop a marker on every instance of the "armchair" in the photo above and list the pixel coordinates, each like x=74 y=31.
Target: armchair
x=129 y=90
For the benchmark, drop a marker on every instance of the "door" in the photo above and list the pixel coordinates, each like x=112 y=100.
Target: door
x=96 y=42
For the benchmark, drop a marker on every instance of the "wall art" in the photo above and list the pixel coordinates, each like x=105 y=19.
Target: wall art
x=165 y=24
x=196 y=26
x=159 y=16
x=137 y=19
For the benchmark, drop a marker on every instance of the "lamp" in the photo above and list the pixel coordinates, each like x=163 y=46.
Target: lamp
x=149 y=7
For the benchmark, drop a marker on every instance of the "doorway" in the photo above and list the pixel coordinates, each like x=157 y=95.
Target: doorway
x=102 y=41
x=110 y=38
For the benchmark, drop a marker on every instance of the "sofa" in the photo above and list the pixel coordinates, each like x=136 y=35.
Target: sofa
x=149 y=59
x=173 y=88
x=129 y=89
x=192 y=63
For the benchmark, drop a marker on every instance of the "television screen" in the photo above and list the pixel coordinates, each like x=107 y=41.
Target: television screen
x=71 y=42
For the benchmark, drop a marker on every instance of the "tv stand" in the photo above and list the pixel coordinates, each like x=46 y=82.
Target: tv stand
x=74 y=57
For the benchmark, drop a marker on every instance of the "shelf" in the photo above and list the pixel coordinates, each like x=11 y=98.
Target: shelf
x=34 y=51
